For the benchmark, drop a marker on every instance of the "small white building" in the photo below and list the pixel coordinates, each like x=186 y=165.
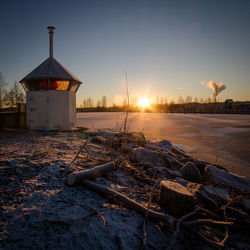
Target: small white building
x=50 y=95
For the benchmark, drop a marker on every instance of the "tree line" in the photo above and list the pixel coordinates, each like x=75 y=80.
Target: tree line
x=9 y=98
x=89 y=103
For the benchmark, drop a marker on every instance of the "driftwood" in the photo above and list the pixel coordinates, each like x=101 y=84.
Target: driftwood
x=77 y=178
x=174 y=224
x=81 y=148
x=177 y=229
x=131 y=203
x=153 y=215
x=83 y=177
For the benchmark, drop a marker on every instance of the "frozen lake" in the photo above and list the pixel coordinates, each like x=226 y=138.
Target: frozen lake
x=221 y=139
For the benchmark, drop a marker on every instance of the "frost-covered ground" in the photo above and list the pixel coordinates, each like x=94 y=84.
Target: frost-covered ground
x=39 y=211
x=222 y=139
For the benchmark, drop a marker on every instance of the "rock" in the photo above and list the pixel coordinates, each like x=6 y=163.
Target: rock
x=173 y=173
x=191 y=172
x=200 y=165
x=163 y=145
x=218 y=194
x=179 y=151
x=205 y=196
x=177 y=199
x=141 y=155
x=128 y=147
x=204 y=200
x=208 y=196
x=110 y=135
x=201 y=198
x=150 y=171
x=246 y=203
x=182 y=181
x=99 y=139
x=221 y=177
x=137 y=137
x=193 y=187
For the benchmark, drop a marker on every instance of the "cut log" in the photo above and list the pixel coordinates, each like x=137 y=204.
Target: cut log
x=177 y=199
x=77 y=178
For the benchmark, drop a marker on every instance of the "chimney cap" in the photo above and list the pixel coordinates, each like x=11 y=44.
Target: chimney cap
x=51 y=28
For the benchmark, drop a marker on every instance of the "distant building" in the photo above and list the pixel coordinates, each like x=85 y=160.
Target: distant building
x=229 y=101
x=228 y=104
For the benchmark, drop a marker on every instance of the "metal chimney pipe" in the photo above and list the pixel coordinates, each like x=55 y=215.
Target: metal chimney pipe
x=51 y=33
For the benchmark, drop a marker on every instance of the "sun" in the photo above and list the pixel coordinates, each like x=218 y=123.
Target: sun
x=144 y=102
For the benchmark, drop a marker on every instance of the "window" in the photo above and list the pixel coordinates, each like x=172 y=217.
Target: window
x=25 y=87
x=44 y=84
x=74 y=86
x=38 y=84
x=59 y=85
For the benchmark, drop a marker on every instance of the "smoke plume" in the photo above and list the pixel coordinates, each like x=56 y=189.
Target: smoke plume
x=216 y=87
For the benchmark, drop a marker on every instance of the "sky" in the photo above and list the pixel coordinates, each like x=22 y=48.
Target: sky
x=167 y=48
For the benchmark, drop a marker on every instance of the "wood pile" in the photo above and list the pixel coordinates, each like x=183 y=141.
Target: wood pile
x=192 y=195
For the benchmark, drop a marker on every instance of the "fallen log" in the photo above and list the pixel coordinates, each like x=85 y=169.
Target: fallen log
x=77 y=178
x=169 y=220
x=157 y=216
x=80 y=178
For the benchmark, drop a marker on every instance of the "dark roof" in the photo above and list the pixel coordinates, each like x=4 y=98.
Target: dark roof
x=51 y=68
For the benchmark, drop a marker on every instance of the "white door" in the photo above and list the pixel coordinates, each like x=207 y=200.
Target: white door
x=37 y=109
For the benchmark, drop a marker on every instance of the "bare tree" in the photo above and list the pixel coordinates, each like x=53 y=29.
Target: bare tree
x=157 y=100
x=84 y=104
x=134 y=101
x=2 y=88
x=98 y=104
x=162 y=101
x=13 y=96
x=9 y=98
x=104 y=101
x=180 y=100
x=127 y=106
x=208 y=100
x=88 y=103
x=189 y=99
x=18 y=93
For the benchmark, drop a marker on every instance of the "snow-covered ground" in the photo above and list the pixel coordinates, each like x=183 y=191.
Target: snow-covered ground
x=38 y=210
x=223 y=139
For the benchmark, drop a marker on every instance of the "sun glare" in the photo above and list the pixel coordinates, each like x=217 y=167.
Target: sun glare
x=144 y=102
